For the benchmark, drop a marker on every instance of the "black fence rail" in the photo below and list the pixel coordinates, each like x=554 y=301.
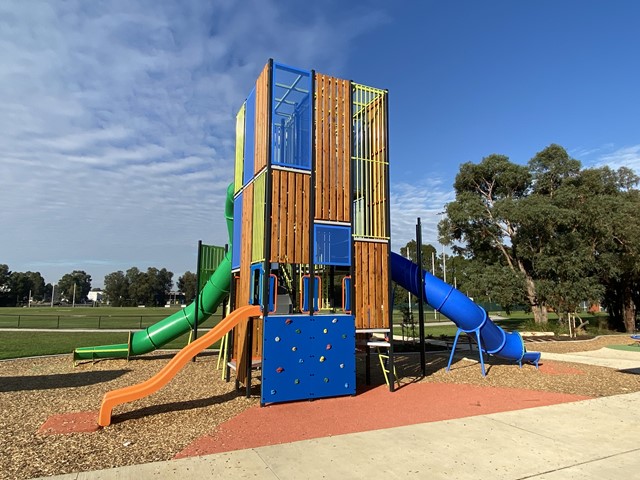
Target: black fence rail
x=92 y=322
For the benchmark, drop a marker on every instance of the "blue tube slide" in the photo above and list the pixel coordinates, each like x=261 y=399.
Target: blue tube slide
x=460 y=309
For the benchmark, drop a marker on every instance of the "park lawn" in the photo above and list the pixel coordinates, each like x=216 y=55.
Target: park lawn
x=23 y=343
x=89 y=317
x=429 y=331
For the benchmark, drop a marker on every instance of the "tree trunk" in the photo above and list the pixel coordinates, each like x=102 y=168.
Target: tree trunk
x=628 y=310
x=539 y=310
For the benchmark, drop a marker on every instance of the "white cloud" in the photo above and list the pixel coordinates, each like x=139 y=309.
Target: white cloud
x=623 y=157
x=117 y=122
x=426 y=199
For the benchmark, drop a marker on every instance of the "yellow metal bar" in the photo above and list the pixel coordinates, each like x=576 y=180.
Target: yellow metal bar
x=361 y=159
x=239 y=165
x=385 y=371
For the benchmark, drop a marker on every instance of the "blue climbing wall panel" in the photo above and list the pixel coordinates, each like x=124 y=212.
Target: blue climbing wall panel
x=307 y=357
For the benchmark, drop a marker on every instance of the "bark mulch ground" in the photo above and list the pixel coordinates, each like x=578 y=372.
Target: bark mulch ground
x=198 y=406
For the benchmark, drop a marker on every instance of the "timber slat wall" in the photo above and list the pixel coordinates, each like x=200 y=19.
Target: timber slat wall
x=262 y=128
x=332 y=148
x=290 y=202
x=372 y=277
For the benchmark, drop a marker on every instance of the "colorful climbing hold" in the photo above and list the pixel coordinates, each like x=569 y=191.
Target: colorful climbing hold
x=322 y=359
x=277 y=339
x=288 y=321
x=325 y=331
x=293 y=349
x=279 y=369
x=328 y=347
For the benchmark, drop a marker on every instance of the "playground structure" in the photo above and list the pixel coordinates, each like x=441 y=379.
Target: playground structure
x=309 y=269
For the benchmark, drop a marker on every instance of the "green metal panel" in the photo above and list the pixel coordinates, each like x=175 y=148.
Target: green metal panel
x=210 y=258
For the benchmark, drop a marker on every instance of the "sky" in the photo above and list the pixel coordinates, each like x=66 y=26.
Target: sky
x=117 y=118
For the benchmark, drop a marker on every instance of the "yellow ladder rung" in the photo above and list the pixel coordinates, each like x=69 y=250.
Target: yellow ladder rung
x=385 y=371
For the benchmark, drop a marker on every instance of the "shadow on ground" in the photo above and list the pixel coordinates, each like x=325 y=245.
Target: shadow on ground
x=60 y=380
x=178 y=406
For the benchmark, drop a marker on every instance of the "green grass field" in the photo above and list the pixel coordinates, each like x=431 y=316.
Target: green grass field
x=88 y=317
x=21 y=341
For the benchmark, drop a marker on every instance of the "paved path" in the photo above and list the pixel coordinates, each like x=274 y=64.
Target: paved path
x=588 y=440
x=605 y=357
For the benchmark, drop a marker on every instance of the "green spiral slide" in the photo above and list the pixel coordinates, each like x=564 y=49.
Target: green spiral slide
x=170 y=328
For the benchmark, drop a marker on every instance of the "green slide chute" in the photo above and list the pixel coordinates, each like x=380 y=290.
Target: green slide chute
x=170 y=328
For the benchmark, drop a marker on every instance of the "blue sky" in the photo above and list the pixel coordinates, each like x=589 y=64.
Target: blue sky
x=117 y=118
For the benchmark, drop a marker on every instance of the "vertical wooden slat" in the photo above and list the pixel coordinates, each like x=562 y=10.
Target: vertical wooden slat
x=385 y=283
x=317 y=135
x=291 y=197
x=341 y=148
x=357 y=262
x=284 y=218
x=299 y=193
x=332 y=151
x=326 y=131
x=319 y=122
x=339 y=162
x=375 y=282
x=306 y=205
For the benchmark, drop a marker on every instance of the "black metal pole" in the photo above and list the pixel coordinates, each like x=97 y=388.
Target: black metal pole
x=312 y=202
x=423 y=361
x=249 y=356
x=392 y=370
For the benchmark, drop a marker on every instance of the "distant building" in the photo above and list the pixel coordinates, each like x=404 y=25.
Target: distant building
x=95 y=295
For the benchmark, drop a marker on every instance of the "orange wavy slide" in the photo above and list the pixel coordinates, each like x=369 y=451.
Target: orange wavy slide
x=160 y=379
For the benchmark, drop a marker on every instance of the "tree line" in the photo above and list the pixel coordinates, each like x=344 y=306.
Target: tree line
x=550 y=234
x=132 y=288
x=135 y=287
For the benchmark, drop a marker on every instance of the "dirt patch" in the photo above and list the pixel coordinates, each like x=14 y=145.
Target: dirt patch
x=80 y=422
x=198 y=402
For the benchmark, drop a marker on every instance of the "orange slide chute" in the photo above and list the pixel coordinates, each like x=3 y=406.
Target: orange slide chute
x=160 y=379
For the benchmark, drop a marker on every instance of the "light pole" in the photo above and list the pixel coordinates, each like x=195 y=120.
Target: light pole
x=444 y=258
x=444 y=265
x=53 y=294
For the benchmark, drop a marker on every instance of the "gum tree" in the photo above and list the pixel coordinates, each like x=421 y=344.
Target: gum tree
x=514 y=216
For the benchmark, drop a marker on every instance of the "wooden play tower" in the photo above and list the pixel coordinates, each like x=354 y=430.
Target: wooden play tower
x=311 y=231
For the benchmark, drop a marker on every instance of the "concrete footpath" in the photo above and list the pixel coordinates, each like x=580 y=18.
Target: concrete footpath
x=623 y=360
x=587 y=440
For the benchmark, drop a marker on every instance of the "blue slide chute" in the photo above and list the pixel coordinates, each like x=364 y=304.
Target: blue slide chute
x=469 y=317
